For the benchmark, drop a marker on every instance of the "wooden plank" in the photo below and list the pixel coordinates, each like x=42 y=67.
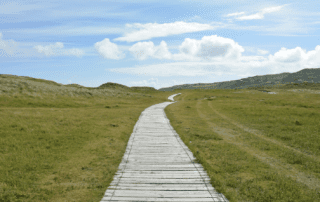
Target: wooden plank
x=161 y=181
x=162 y=172
x=154 y=142
x=151 y=155
x=158 y=166
x=190 y=199
x=162 y=148
x=149 y=140
x=163 y=188
x=159 y=176
x=162 y=165
x=159 y=158
x=155 y=193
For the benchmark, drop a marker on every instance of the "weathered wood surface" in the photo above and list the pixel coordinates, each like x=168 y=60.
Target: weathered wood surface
x=158 y=166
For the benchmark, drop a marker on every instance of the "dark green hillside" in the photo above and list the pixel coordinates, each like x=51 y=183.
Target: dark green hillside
x=113 y=86
x=269 y=80
x=143 y=88
x=75 y=85
x=117 y=86
x=9 y=76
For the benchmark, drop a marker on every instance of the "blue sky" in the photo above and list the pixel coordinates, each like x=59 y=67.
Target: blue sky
x=157 y=43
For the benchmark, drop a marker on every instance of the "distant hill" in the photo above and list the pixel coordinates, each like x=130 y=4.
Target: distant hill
x=114 y=86
x=143 y=88
x=74 y=85
x=117 y=86
x=24 y=85
x=269 y=80
x=30 y=79
x=108 y=85
x=13 y=83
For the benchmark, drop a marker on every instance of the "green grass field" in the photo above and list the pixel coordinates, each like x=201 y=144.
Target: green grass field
x=61 y=143
x=255 y=146
x=65 y=143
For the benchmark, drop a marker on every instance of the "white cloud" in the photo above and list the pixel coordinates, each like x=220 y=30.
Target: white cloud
x=285 y=60
x=210 y=47
x=272 y=9
x=251 y=17
x=151 y=30
x=8 y=47
x=143 y=50
x=108 y=49
x=262 y=52
x=313 y=56
x=256 y=16
x=235 y=14
x=57 y=49
x=50 y=50
x=255 y=50
x=297 y=55
x=289 y=55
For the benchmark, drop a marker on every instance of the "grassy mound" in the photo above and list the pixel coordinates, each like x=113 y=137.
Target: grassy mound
x=143 y=88
x=111 y=85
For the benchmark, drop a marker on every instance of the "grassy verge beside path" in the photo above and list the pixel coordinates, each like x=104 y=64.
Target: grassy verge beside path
x=255 y=146
x=62 y=147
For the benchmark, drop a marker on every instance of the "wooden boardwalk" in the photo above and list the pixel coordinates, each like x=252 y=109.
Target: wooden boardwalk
x=158 y=166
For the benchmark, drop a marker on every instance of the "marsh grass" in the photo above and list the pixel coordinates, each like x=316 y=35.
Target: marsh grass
x=255 y=146
x=64 y=143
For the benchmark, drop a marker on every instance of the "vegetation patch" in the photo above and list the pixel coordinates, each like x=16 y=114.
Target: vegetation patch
x=64 y=143
x=253 y=150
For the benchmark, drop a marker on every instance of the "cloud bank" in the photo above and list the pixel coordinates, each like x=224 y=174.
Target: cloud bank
x=235 y=14
x=256 y=16
x=208 y=48
x=143 y=50
x=57 y=49
x=214 y=55
x=151 y=30
x=297 y=55
x=108 y=50
x=8 y=47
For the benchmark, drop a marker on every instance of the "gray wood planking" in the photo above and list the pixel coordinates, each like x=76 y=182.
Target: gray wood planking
x=158 y=166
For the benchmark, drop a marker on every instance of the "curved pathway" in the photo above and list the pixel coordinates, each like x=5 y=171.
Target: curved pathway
x=158 y=166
